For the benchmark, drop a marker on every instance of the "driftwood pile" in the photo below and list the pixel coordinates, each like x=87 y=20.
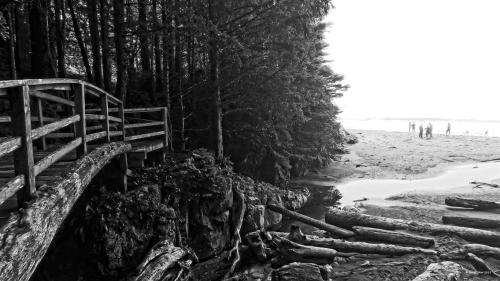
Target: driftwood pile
x=295 y=256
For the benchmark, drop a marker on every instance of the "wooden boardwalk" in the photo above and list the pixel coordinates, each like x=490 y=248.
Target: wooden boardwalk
x=51 y=123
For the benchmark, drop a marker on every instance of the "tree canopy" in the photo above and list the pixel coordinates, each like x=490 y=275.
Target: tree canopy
x=245 y=78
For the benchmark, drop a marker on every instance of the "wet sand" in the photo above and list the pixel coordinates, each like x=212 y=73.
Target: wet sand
x=389 y=162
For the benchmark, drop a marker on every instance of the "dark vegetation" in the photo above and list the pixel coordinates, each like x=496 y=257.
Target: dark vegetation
x=188 y=200
x=244 y=78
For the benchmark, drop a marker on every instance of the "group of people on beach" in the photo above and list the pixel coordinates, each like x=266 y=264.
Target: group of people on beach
x=428 y=129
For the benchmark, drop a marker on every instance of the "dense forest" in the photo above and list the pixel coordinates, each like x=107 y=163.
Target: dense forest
x=244 y=78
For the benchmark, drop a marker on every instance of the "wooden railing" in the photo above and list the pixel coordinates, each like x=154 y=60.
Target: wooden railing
x=81 y=102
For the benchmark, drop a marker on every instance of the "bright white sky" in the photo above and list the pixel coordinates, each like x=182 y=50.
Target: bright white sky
x=417 y=58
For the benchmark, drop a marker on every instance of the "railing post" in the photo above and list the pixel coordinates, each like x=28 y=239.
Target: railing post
x=164 y=116
x=105 y=112
x=39 y=112
x=21 y=126
x=123 y=157
x=81 y=130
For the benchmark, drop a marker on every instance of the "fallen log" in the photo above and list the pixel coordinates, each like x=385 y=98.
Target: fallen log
x=289 y=251
x=316 y=223
x=162 y=257
x=348 y=220
x=471 y=222
x=475 y=204
x=482 y=250
x=478 y=184
x=382 y=235
x=356 y=247
x=28 y=233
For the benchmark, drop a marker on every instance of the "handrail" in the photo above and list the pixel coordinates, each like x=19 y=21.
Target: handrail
x=21 y=143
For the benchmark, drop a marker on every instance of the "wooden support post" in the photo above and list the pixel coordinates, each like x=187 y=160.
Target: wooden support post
x=21 y=126
x=164 y=115
x=123 y=157
x=81 y=130
x=39 y=112
x=105 y=112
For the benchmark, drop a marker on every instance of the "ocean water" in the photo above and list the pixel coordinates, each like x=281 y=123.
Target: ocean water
x=458 y=127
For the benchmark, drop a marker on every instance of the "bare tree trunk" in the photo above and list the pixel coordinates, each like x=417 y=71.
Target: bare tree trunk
x=157 y=49
x=166 y=68
x=95 y=41
x=81 y=45
x=12 y=40
x=60 y=16
x=144 y=38
x=41 y=62
x=23 y=64
x=121 y=66
x=215 y=83
x=106 y=53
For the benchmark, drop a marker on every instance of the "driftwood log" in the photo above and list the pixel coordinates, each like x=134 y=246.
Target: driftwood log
x=289 y=251
x=475 y=204
x=162 y=257
x=482 y=250
x=471 y=222
x=316 y=223
x=355 y=247
x=348 y=220
x=28 y=233
x=478 y=184
x=382 y=235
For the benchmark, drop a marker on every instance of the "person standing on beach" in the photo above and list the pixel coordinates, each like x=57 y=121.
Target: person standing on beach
x=409 y=126
x=430 y=130
x=421 y=131
x=448 y=129
x=413 y=127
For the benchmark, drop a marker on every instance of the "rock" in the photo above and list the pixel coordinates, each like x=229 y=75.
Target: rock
x=447 y=270
x=299 y=272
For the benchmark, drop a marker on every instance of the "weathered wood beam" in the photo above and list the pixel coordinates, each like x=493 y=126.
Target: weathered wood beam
x=27 y=235
x=144 y=136
x=81 y=130
x=49 y=97
x=53 y=157
x=9 y=144
x=21 y=126
x=10 y=188
x=142 y=125
x=49 y=128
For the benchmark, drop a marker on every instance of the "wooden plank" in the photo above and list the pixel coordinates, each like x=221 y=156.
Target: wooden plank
x=55 y=86
x=143 y=136
x=50 y=97
x=97 y=92
x=21 y=126
x=96 y=136
x=7 y=119
x=147 y=146
x=9 y=145
x=60 y=135
x=143 y=125
x=39 y=113
x=143 y=109
x=114 y=119
x=10 y=188
x=53 y=157
x=105 y=121
x=49 y=128
x=7 y=173
x=123 y=158
x=81 y=131
x=94 y=117
x=164 y=117
x=115 y=133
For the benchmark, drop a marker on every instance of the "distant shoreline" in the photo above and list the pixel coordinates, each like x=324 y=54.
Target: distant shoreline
x=422 y=119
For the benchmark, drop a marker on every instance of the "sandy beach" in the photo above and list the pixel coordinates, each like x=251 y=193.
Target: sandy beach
x=404 y=156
